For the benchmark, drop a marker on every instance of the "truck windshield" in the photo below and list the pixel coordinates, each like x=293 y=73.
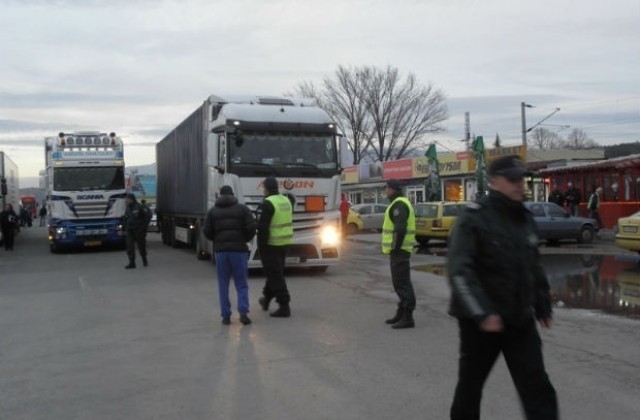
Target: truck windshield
x=88 y=179
x=284 y=154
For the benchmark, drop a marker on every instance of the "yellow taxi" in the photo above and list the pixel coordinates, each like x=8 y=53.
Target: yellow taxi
x=435 y=220
x=628 y=236
x=354 y=222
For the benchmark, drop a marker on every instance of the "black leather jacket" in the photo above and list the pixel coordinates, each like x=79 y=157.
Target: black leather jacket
x=494 y=264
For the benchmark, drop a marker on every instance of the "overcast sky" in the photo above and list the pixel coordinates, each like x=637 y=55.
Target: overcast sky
x=140 y=67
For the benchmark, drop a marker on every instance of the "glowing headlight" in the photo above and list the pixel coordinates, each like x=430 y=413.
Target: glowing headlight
x=61 y=230
x=329 y=235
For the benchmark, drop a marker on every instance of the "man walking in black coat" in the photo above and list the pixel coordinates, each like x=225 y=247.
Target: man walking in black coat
x=230 y=225
x=499 y=289
x=136 y=227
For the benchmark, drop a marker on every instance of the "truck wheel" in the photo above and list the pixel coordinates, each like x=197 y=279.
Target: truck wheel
x=586 y=235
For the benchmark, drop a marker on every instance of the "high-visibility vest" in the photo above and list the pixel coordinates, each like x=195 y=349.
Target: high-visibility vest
x=281 y=228
x=387 y=228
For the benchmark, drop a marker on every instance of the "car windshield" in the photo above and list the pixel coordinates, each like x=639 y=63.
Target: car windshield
x=284 y=153
x=88 y=179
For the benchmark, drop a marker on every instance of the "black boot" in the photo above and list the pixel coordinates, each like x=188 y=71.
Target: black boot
x=244 y=319
x=131 y=265
x=396 y=317
x=406 y=321
x=144 y=261
x=264 y=302
x=282 y=312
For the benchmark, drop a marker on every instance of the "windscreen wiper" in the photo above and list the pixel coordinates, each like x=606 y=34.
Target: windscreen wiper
x=268 y=165
x=303 y=165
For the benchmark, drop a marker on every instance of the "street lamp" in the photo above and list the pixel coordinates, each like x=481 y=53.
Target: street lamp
x=525 y=130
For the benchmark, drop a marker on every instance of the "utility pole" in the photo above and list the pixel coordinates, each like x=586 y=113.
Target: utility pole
x=524 y=123
x=467 y=129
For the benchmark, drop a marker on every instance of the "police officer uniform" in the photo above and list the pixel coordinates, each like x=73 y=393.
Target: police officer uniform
x=275 y=235
x=494 y=272
x=398 y=237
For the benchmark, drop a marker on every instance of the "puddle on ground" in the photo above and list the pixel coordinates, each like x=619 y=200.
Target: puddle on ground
x=438 y=249
x=604 y=282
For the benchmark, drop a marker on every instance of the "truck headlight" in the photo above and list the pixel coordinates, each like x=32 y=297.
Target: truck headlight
x=61 y=233
x=330 y=236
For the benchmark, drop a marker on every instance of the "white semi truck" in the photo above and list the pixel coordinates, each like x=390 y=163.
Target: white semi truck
x=85 y=190
x=10 y=192
x=239 y=141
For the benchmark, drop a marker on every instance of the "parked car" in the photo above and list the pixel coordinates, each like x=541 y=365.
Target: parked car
x=628 y=236
x=435 y=220
x=354 y=223
x=372 y=215
x=555 y=224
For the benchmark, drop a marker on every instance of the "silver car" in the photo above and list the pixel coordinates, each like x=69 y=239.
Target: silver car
x=555 y=224
x=372 y=215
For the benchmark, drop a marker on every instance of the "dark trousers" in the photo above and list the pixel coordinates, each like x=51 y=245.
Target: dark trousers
x=272 y=258
x=522 y=350
x=401 y=278
x=8 y=235
x=139 y=237
x=595 y=214
x=573 y=208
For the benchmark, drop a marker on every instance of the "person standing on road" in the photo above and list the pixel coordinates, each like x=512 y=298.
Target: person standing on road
x=147 y=215
x=498 y=290
x=275 y=235
x=594 y=207
x=230 y=225
x=42 y=214
x=573 y=198
x=344 y=214
x=135 y=225
x=9 y=224
x=398 y=236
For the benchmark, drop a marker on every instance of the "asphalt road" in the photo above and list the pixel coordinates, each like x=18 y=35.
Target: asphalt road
x=82 y=338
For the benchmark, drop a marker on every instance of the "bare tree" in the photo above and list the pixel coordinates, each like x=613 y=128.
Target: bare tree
x=544 y=139
x=497 y=142
x=382 y=116
x=343 y=98
x=578 y=139
x=402 y=112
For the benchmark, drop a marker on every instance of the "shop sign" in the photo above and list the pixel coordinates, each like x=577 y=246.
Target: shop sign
x=450 y=164
x=349 y=175
x=398 y=169
x=421 y=168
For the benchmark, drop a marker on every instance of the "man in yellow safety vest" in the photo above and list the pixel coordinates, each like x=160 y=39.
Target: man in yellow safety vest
x=398 y=236
x=275 y=235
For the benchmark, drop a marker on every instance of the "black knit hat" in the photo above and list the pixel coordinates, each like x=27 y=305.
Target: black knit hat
x=226 y=190
x=271 y=184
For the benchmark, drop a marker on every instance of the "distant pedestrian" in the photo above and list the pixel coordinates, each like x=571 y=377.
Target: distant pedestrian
x=398 y=236
x=499 y=289
x=594 y=207
x=230 y=225
x=556 y=196
x=275 y=235
x=9 y=225
x=135 y=226
x=344 y=213
x=573 y=196
x=42 y=214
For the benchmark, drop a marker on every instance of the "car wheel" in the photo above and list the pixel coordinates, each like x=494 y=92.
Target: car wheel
x=352 y=228
x=586 y=235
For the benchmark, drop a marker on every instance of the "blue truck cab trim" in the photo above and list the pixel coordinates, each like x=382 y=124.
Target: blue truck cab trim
x=85 y=233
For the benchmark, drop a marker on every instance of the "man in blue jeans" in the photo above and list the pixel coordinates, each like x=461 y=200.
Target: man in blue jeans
x=230 y=225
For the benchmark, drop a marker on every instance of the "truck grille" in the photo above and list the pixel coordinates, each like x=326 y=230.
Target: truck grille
x=94 y=209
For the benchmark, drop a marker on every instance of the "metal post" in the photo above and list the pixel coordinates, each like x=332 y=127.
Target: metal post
x=524 y=125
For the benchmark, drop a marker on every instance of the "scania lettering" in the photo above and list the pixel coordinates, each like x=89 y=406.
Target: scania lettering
x=86 y=195
x=239 y=142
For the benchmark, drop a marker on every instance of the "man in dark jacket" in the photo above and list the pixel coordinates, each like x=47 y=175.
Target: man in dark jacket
x=398 y=237
x=136 y=227
x=498 y=290
x=275 y=235
x=556 y=196
x=230 y=225
x=573 y=196
x=9 y=225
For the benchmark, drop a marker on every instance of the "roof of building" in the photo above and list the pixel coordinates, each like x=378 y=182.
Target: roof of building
x=619 y=163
